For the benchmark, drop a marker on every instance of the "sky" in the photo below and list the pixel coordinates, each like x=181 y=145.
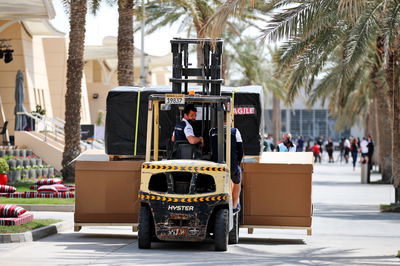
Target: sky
x=105 y=23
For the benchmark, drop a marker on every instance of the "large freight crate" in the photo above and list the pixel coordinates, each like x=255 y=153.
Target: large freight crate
x=123 y=122
x=277 y=190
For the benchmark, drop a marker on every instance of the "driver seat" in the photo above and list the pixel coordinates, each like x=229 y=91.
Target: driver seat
x=182 y=149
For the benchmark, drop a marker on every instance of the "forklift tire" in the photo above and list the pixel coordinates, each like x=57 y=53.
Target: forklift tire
x=221 y=227
x=144 y=229
x=234 y=233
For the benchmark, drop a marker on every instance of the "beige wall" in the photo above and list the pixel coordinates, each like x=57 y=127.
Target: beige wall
x=56 y=65
x=99 y=104
x=8 y=71
x=38 y=92
x=44 y=63
x=29 y=57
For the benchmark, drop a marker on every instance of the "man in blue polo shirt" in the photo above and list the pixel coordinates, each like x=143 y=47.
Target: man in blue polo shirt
x=184 y=130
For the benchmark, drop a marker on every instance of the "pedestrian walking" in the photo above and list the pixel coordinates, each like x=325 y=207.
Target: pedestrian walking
x=370 y=154
x=364 y=150
x=329 y=150
x=341 y=149
x=354 y=148
x=316 y=152
x=346 y=146
x=300 y=144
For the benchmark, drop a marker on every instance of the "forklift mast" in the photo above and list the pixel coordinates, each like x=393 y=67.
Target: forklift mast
x=208 y=74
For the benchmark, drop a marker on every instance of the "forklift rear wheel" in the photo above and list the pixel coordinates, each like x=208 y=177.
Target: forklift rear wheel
x=144 y=229
x=221 y=228
x=234 y=233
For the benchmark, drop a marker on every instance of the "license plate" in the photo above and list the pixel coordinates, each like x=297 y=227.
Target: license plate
x=175 y=99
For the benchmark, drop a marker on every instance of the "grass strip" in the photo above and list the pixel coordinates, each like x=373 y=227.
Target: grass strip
x=36 y=201
x=28 y=226
x=390 y=207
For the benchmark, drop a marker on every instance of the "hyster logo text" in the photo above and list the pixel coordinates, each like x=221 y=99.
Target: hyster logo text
x=180 y=208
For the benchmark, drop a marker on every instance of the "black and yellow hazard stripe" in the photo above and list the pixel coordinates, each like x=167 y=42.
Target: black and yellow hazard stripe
x=184 y=168
x=221 y=197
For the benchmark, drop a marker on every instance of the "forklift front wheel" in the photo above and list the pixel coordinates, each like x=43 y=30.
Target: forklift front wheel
x=144 y=229
x=221 y=228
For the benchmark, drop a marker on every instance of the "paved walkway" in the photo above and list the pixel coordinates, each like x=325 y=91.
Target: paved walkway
x=348 y=229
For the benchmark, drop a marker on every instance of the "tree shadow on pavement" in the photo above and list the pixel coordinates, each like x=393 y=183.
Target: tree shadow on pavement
x=353 y=212
x=123 y=250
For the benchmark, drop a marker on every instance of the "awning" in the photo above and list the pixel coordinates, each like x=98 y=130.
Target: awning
x=33 y=14
x=24 y=9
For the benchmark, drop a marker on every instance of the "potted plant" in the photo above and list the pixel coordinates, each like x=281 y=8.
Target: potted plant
x=18 y=173
x=22 y=153
x=32 y=172
x=25 y=172
x=45 y=171
x=3 y=171
x=11 y=175
x=39 y=172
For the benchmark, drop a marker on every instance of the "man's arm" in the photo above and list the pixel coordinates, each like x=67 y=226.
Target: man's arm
x=189 y=133
x=195 y=140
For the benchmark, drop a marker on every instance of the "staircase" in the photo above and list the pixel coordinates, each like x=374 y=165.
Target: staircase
x=48 y=139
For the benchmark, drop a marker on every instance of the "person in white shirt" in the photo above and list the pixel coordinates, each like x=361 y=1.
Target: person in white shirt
x=287 y=144
x=364 y=150
x=346 y=146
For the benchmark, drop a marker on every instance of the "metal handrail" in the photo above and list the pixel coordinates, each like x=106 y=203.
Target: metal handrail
x=56 y=126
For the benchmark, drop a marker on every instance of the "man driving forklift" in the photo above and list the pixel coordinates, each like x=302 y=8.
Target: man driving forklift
x=184 y=130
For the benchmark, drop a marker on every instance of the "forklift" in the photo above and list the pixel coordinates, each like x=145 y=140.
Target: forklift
x=184 y=196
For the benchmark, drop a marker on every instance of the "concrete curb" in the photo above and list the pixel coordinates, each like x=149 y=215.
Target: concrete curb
x=49 y=207
x=36 y=234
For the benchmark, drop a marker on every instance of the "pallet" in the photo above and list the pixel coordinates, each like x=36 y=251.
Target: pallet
x=250 y=228
x=78 y=226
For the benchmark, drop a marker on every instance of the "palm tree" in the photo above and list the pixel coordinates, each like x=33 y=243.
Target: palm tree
x=382 y=110
x=318 y=30
x=77 y=20
x=191 y=14
x=125 y=42
x=125 y=38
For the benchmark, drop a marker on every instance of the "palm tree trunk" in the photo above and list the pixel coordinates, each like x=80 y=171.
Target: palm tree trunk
x=384 y=136
x=75 y=64
x=125 y=42
x=370 y=128
x=375 y=157
x=392 y=77
x=276 y=118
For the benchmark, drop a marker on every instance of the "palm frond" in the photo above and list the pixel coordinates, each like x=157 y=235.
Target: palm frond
x=363 y=33
x=392 y=22
x=351 y=7
x=66 y=6
x=216 y=24
x=94 y=6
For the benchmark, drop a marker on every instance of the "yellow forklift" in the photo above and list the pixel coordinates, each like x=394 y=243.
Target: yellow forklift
x=186 y=196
